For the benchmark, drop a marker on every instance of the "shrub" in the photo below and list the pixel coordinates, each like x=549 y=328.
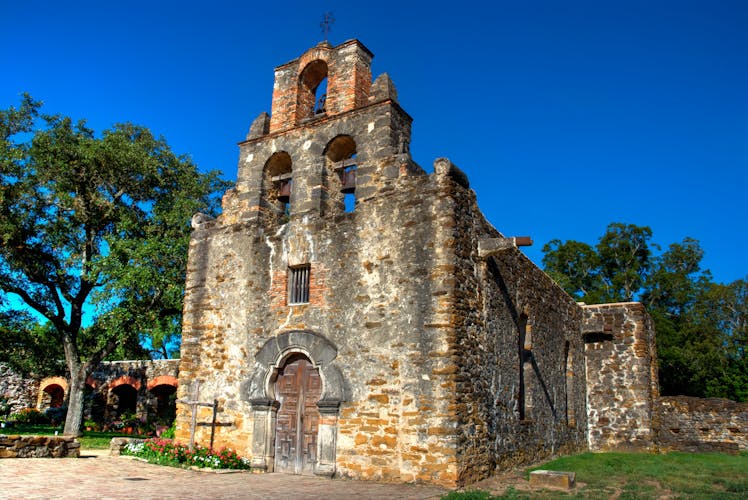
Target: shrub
x=56 y=415
x=4 y=405
x=29 y=416
x=167 y=452
x=169 y=433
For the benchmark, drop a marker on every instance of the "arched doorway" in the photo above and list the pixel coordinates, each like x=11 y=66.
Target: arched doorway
x=298 y=387
x=126 y=399
x=55 y=395
x=166 y=407
x=52 y=392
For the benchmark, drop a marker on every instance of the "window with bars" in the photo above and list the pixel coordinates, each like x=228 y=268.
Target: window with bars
x=298 y=284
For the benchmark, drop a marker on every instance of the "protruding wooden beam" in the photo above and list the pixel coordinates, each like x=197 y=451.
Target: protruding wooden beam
x=492 y=246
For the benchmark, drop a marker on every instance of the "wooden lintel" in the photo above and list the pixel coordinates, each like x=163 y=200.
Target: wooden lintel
x=344 y=163
x=281 y=177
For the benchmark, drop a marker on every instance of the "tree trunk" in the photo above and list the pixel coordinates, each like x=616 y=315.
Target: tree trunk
x=75 y=402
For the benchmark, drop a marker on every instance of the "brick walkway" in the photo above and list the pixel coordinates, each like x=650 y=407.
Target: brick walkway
x=103 y=477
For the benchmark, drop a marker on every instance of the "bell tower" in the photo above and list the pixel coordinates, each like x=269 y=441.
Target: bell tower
x=332 y=140
x=347 y=69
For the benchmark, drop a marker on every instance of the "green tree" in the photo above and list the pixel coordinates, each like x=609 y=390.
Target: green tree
x=624 y=252
x=613 y=271
x=700 y=325
x=29 y=347
x=723 y=311
x=94 y=233
x=576 y=268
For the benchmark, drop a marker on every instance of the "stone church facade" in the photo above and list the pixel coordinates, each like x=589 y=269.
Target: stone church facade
x=356 y=316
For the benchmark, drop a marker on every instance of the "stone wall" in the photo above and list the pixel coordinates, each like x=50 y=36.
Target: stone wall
x=142 y=376
x=378 y=297
x=383 y=308
x=516 y=349
x=696 y=424
x=20 y=391
x=426 y=375
x=621 y=375
x=13 y=446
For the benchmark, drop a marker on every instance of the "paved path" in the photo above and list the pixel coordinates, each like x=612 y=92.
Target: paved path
x=103 y=477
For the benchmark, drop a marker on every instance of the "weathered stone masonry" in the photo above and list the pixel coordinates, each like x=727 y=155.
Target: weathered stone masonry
x=621 y=376
x=356 y=316
x=437 y=362
x=140 y=387
x=695 y=424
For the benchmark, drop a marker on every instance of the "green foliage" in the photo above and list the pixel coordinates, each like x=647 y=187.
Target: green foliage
x=167 y=452
x=700 y=325
x=4 y=406
x=613 y=271
x=468 y=495
x=169 y=433
x=640 y=475
x=29 y=348
x=94 y=233
x=29 y=416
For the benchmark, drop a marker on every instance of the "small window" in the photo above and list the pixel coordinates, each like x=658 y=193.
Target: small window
x=298 y=284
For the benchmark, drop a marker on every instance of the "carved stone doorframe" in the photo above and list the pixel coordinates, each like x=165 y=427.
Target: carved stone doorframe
x=321 y=352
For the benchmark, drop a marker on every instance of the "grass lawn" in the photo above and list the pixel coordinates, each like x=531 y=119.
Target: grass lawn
x=641 y=475
x=89 y=440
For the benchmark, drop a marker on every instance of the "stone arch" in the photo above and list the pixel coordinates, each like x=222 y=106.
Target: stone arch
x=52 y=393
x=122 y=396
x=162 y=380
x=311 y=78
x=335 y=390
x=320 y=351
x=277 y=185
x=124 y=399
x=125 y=379
x=340 y=174
x=163 y=388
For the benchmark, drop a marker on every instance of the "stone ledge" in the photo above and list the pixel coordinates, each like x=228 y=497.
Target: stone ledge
x=16 y=446
x=552 y=479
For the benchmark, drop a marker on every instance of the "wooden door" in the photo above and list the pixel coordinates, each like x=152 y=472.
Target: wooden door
x=297 y=388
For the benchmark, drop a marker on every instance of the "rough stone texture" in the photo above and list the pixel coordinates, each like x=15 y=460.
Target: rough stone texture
x=517 y=348
x=116 y=445
x=14 y=446
x=621 y=376
x=142 y=375
x=417 y=339
x=696 y=424
x=20 y=391
x=552 y=479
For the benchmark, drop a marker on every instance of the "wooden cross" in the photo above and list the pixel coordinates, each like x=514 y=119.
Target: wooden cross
x=194 y=404
x=326 y=24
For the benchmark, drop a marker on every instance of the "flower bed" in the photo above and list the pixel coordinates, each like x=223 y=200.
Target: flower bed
x=168 y=452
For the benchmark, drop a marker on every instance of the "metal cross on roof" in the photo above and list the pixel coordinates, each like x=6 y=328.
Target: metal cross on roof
x=326 y=24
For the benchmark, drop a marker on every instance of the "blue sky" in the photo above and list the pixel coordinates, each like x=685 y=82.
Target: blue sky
x=566 y=115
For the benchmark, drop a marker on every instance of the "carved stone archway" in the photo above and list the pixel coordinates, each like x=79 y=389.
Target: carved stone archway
x=260 y=392
x=52 y=392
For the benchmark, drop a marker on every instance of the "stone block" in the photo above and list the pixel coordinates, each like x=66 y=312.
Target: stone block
x=552 y=479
